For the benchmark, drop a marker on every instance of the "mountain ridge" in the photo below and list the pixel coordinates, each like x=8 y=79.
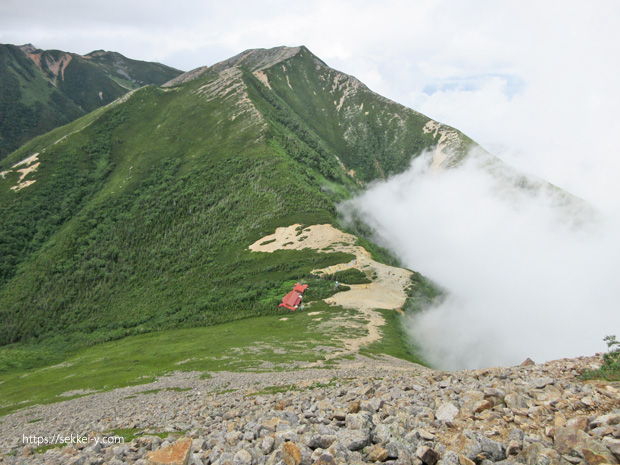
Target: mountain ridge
x=139 y=215
x=203 y=169
x=44 y=89
x=159 y=233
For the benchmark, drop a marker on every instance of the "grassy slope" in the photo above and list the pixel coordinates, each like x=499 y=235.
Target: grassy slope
x=370 y=134
x=258 y=343
x=148 y=225
x=132 y=73
x=140 y=220
x=264 y=343
x=31 y=105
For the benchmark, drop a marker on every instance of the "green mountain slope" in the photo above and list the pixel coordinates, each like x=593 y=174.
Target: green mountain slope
x=138 y=216
x=44 y=89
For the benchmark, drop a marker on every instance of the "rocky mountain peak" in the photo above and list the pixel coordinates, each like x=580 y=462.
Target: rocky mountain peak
x=256 y=59
x=28 y=48
x=96 y=53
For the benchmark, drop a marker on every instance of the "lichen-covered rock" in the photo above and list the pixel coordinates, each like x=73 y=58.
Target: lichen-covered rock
x=291 y=454
x=476 y=446
x=572 y=441
x=377 y=453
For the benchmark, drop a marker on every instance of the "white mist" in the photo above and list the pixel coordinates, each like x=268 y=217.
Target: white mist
x=522 y=280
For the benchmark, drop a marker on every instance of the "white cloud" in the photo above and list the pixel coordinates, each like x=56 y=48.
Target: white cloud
x=561 y=119
x=522 y=281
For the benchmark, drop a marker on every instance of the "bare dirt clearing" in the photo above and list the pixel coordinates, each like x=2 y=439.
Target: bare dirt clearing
x=387 y=290
x=30 y=168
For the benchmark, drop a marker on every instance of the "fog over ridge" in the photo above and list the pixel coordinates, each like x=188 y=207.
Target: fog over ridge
x=530 y=272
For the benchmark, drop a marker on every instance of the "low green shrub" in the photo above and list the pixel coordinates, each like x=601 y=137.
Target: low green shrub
x=351 y=276
x=610 y=369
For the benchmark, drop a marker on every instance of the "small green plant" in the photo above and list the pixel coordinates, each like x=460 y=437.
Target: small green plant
x=155 y=391
x=43 y=449
x=610 y=369
x=276 y=389
x=612 y=357
x=165 y=434
x=128 y=434
x=351 y=276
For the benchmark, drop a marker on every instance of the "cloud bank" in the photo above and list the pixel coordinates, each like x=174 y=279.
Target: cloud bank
x=523 y=280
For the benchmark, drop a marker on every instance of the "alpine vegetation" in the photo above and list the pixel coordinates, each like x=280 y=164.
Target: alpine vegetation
x=138 y=217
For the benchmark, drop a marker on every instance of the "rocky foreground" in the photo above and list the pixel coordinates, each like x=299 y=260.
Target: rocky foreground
x=369 y=411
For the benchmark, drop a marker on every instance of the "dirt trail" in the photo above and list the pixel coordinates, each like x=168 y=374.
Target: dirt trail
x=387 y=290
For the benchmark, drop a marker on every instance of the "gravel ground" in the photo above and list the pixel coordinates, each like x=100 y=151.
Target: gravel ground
x=364 y=411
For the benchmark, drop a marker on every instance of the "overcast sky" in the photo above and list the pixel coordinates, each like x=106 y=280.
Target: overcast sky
x=535 y=82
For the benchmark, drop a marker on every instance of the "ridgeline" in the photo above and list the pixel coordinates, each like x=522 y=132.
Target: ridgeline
x=137 y=217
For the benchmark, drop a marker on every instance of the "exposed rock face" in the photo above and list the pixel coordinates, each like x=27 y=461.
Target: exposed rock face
x=174 y=454
x=376 y=413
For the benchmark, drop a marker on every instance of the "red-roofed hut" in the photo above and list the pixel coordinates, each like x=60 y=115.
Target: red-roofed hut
x=293 y=298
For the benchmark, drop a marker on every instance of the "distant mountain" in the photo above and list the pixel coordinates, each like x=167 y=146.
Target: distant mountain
x=138 y=216
x=44 y=89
